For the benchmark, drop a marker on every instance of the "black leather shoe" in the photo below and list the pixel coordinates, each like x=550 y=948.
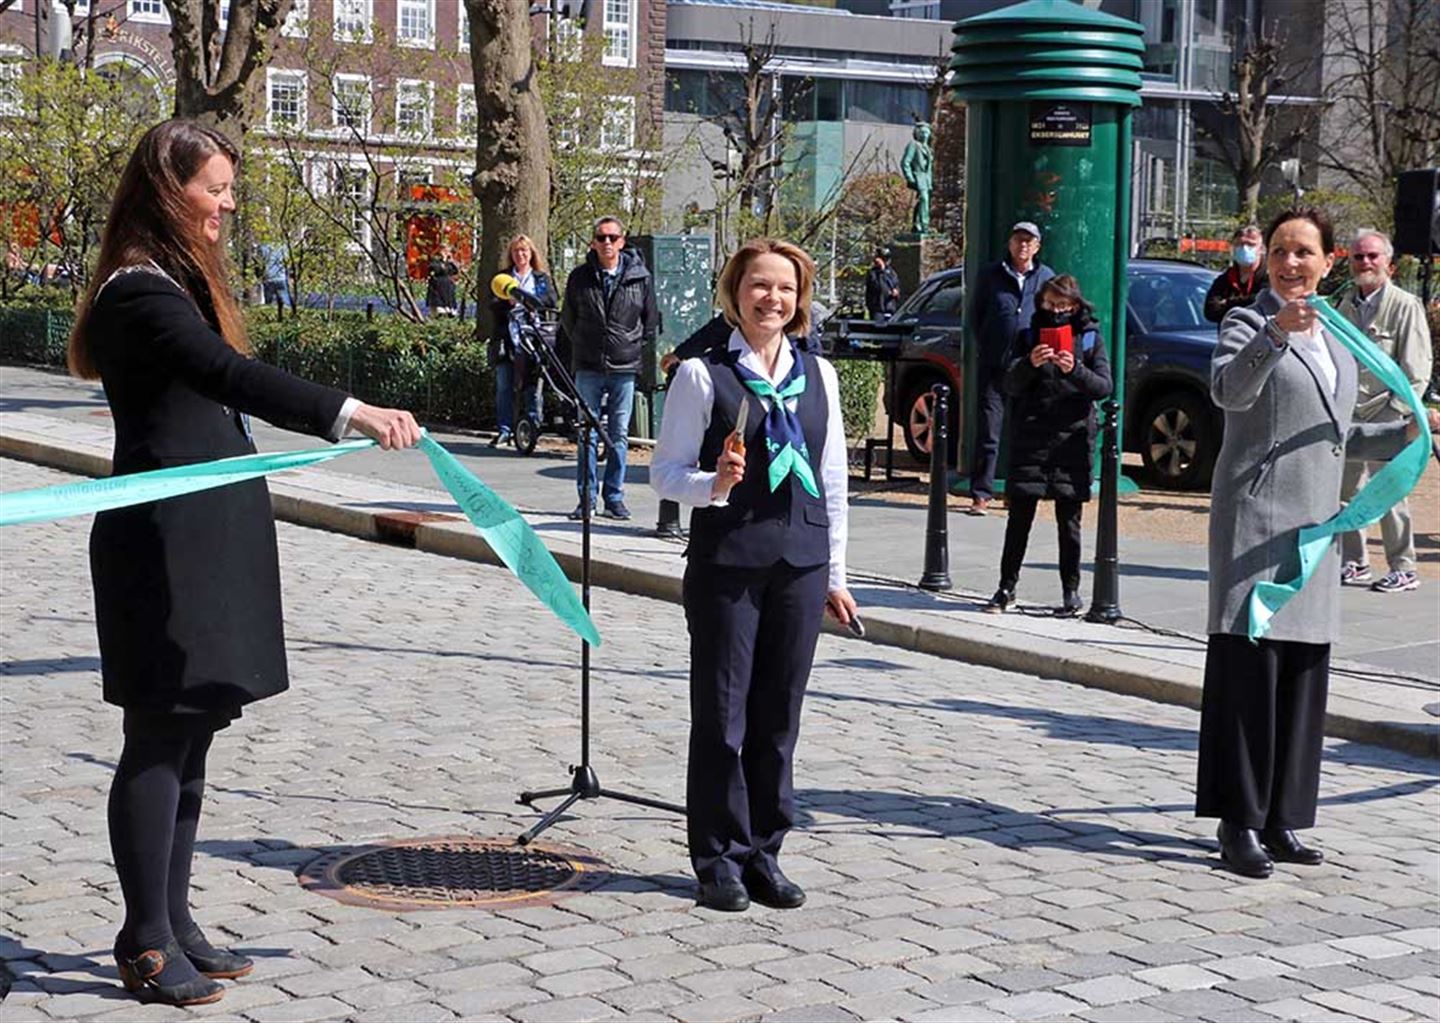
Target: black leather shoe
x=727 y=895
x=1284 y=846
x=1070 y=606
x=216 y=963
x=143 y=974
x=1241 y=850
x=774 y=890
x=1001 y=602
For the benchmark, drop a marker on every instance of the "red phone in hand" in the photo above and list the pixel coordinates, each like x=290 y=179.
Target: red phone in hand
x=1060 y=339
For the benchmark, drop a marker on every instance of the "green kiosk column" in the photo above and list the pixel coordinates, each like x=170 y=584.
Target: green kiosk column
x=1049 y=87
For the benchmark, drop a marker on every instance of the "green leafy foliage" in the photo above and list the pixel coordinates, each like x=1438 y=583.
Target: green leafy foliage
x=859 y=388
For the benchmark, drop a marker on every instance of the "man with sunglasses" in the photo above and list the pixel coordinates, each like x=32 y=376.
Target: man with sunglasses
x=1395 y=320
x=610 y=319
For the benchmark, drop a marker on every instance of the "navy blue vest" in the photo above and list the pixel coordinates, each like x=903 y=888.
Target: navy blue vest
x=760 y=527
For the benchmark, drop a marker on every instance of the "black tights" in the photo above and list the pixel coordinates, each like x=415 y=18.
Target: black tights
x=154 y=812
x=1021 y=510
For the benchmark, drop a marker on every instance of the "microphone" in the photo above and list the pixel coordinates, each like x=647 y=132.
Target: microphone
x=506 y=286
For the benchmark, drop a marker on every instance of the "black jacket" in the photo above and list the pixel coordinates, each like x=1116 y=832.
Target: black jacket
x=878 y=285
x=187 y=590
x=499 y=347
x=1000 y=310
x=610 y=335
x=1052 y=417
x=440 y=292
x=1229 y=291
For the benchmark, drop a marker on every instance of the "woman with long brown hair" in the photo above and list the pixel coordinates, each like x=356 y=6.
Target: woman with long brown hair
x=524 y=262
x=187 y=590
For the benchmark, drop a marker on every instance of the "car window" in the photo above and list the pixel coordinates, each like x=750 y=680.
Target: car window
x=1169 y=300
x=912 y=306
x=946 y=302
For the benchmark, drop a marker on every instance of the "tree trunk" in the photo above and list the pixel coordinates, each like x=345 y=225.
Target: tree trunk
x=214 y=73
x=512 y=149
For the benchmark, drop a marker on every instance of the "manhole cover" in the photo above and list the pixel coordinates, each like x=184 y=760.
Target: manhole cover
x=443 y=873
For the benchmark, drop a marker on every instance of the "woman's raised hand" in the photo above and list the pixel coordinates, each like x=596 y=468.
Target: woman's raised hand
x=1296 y=317
x=729 y=470
x=389 y=427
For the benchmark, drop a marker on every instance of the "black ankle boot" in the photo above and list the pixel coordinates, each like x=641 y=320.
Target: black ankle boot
x=1241 y=850
x=1285 y=846
x=143 y=973
x=218 y=963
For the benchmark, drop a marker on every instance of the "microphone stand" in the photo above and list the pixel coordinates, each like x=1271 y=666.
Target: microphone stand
x=584 y=782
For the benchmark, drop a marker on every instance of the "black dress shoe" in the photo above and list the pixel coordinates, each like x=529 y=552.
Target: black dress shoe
x=774 y=890
x=727 y=895
x=144 y=975
x=1004 y=599
x=216 y=963
x=1070 y=605
x=1241 y=850
x=1284 y=846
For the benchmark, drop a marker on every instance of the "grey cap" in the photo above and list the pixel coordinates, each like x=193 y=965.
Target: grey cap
x=1028 y=228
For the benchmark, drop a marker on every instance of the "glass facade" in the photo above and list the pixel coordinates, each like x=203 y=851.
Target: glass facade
x=714 y=93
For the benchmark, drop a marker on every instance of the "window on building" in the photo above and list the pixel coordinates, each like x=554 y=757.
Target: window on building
x=619 y=32
x=467 y=120
x=565 y=121
x=569 y=39
x=286 y=93
x=886 y=102
x=927 y=9
x=415 y=23
x=414 y=174
x=354 y=20
x=147 y=10
x=617 y=124
x=297 y=23
x=352 y=103
x=351 y=186
x=12 y=100
x=463 y=33
x=414 y=108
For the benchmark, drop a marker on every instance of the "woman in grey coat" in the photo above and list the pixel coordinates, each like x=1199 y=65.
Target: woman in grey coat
x=1288 y=389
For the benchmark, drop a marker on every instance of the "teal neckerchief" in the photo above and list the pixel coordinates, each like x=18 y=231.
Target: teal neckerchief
x=784 y=436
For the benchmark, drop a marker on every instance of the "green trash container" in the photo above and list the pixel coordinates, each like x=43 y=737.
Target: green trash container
x=1049 y=88
x=680 y=266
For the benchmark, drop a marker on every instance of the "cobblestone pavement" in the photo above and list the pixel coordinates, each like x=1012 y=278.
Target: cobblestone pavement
x=977 y=845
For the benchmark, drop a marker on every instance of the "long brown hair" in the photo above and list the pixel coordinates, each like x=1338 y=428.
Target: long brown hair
x=150 y=219
x=537 y=261
x=727 y=289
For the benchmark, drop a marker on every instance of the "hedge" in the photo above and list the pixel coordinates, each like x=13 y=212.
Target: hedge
x=436 y=369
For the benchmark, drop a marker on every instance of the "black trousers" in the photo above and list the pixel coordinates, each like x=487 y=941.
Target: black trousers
x=1262 y=723
x=1017 y=537
x=989 y=420
x=752 y=641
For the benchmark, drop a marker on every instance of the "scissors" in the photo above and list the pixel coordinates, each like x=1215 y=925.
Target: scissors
x=736 y=441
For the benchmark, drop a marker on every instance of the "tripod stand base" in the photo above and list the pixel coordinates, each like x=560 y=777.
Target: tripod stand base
x=584 y=784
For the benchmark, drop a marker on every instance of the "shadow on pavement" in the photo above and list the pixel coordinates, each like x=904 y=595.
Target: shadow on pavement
x=300 y=643
x=35 y=404
x=49 y=666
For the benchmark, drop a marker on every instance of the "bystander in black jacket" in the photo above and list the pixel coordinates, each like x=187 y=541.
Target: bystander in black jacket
x=500 y=347
x=880 y=285
x=610 y=336
x=440 y=292
x=1052 y=417
x=1230 y=291
x=1000 y=308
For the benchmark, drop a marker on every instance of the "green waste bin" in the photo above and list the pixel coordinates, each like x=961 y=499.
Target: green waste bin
x=1049 y=88
x=680 y=267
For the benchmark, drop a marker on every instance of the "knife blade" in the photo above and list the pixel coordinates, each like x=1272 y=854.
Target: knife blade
x=736 y=441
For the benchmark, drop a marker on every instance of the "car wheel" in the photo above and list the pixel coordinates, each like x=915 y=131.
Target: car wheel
x=1178 y=441
x=917 y=409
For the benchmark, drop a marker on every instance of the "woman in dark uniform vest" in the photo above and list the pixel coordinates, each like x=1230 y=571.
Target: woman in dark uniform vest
x=187 y=590
x=766 y=561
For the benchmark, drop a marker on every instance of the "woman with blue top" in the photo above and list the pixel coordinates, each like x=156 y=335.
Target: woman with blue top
x=754 y=441
x=523 y=262
x=1056 y=372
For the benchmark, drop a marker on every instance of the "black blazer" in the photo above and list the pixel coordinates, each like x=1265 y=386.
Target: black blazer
x=187 y=590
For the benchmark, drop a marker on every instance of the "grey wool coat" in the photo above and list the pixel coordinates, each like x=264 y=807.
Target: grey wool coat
x=1286 y=440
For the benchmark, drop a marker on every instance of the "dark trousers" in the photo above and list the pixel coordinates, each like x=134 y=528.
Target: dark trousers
x=989 y=420
x=752 y=641
x=1017 y=536
x=1261 y=730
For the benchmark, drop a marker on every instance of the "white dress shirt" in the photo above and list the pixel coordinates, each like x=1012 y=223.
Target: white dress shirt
x=675 y=471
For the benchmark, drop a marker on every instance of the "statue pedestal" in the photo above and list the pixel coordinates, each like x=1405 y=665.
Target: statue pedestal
x=915 y=257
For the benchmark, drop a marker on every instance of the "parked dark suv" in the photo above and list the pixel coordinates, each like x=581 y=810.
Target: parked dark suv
x=1168 y=418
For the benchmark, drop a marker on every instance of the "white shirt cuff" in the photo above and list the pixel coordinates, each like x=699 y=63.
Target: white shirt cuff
x=342 y=421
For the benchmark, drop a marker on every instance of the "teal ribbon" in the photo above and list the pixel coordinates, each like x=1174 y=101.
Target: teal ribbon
x=1385 y=489
x=503 y=528
x=785 y=455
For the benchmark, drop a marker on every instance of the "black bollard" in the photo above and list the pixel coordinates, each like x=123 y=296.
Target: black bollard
x=669 y=521
x=937 y=525
x=1105 y=601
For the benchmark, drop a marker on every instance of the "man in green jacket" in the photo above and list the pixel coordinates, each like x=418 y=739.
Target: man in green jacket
x=1395 y=320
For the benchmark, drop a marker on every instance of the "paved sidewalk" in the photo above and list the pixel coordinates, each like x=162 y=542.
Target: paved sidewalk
x=978 y=844
x=1387 y=667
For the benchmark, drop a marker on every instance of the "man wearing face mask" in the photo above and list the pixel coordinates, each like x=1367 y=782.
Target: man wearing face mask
x=1243 y=280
